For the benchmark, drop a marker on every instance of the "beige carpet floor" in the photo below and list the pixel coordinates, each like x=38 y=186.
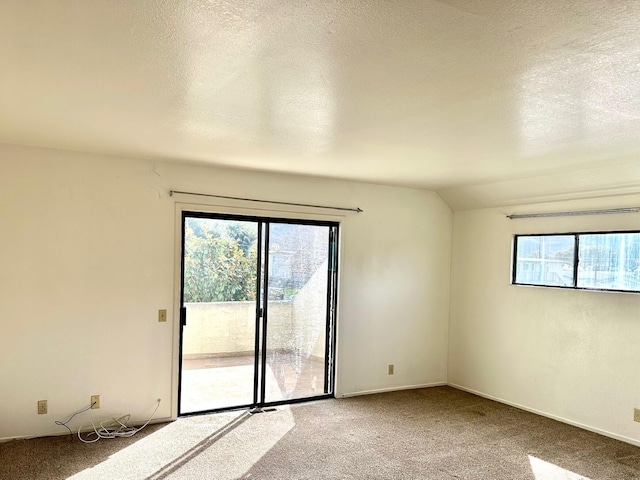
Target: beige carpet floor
x=435 y=433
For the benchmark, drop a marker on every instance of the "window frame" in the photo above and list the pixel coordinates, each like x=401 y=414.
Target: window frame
x=576 y=259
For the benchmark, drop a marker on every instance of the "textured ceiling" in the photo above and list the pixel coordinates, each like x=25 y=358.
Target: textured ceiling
x=487 y=102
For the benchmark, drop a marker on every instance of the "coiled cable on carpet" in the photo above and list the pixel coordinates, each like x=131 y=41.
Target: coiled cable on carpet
x=115 y=428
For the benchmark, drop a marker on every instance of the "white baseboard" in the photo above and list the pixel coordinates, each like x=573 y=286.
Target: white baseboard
x=599 y=431
x=137 y=423
x=391 y=389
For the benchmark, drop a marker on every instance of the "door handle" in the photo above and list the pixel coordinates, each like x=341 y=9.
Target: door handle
x=183 y=316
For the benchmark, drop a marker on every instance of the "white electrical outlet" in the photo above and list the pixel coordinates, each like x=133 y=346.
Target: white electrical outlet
x=391 y=368
x=636 y=414
x=95 y=401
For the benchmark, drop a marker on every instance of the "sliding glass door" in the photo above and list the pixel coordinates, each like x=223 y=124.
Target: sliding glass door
x=298 y=308
x=258 y=311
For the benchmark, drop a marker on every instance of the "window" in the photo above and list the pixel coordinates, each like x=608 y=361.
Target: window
x=595 y=261
x=545 y=260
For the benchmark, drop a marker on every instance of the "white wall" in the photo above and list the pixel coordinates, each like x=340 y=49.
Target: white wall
x=87 y=255
x=569 y=354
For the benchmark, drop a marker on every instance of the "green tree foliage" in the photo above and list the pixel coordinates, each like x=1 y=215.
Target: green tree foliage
x=243 y=235
x=219 y=266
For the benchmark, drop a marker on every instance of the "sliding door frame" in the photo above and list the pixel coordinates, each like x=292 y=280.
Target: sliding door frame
x=261 y=304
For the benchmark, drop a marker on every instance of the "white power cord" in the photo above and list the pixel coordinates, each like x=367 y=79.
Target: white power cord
x=64 y=424
x=116 y=428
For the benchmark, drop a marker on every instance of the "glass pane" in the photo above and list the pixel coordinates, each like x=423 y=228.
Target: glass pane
x=219 y=293
x=609 y=261
x=297 y=311
x=545 y=260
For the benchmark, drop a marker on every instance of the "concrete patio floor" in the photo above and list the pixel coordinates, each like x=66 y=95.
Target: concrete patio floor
x=224 y=382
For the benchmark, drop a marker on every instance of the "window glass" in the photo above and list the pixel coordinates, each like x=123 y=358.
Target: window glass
x=606 y=261
x=609 y=261
x=545 y=260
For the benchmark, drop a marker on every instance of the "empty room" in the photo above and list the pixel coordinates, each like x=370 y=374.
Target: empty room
x=321 y=239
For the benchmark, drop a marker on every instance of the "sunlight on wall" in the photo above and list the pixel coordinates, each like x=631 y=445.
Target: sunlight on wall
x=548 y=471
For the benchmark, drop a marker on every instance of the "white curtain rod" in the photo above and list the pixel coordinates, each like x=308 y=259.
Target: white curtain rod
x=608 y=211
x=344 y=209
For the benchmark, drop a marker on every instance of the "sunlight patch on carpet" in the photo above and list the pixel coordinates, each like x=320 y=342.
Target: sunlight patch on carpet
x=548 y=471
x=154 y=452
